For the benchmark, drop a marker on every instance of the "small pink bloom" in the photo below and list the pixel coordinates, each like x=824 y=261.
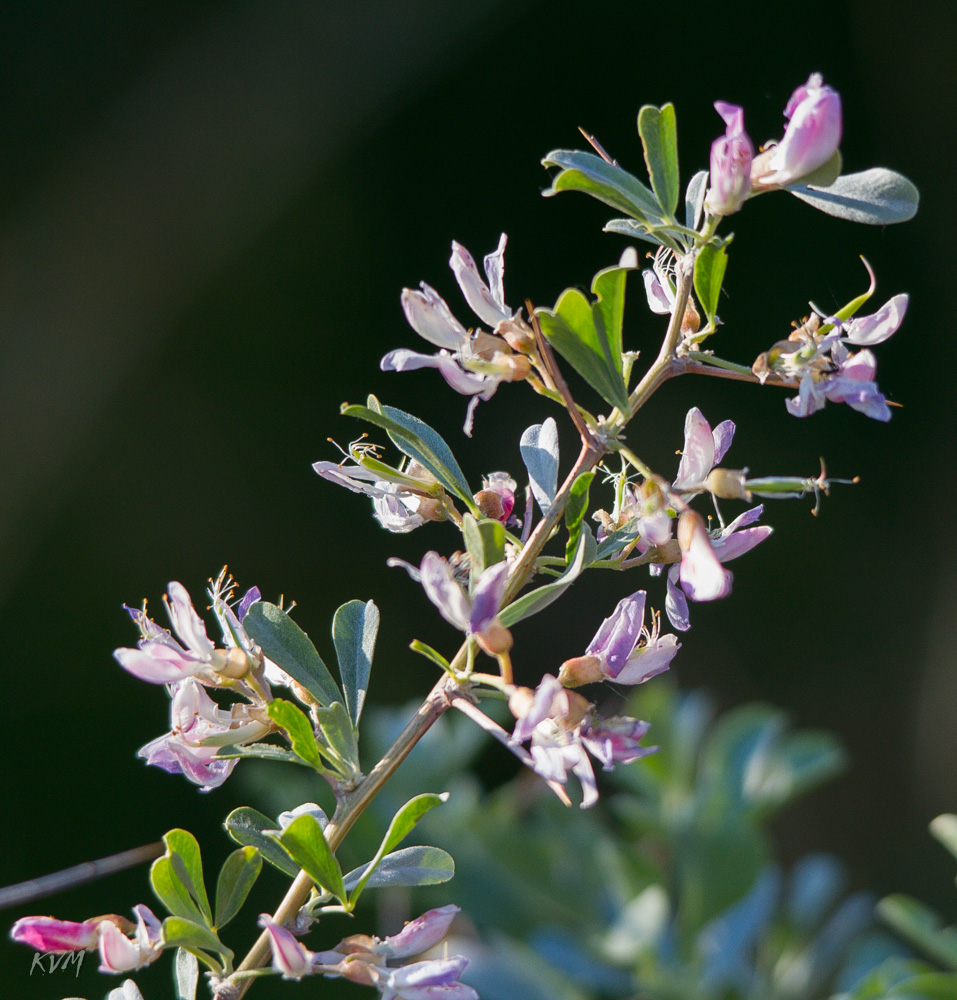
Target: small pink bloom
x=118 y=953
x=50 y=934
x=420 y=934
x=290 y=958
x=812 y=136
x=731 y=156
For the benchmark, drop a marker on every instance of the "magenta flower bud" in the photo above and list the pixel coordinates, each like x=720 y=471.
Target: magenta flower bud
x=58 y=936
x=731 y=156
x=289 y=957
x=811 y=137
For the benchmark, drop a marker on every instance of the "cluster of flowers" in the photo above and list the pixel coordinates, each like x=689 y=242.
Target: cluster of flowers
x=363 y=959
x=187 y=664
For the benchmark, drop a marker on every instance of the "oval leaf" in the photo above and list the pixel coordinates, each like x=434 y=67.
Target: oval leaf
x=181 y=933
x=305 y=843
x=659 y=137
x=539 y=448
x=285 y=643
x=709 y=268
x=237 y=876
x=248 y=826
x=877 y=197
x=354 y=630
x=409 y=867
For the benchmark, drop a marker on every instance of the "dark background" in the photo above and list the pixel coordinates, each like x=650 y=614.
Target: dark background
x=207 y=211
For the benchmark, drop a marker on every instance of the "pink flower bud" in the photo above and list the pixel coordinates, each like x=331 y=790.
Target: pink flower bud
x=289 y=957
x=49 y=934
x=420 y=934
x=731 y=156
x=812 y=136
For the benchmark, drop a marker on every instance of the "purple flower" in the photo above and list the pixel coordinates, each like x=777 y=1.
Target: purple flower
x=623 y=650
x=435 y=979
x=418 y=935
x=731 y=156
x=703 y=449
x=199 y=731
x=812 y=136
x=472 y=364
x=475 y=615
x=700 y=575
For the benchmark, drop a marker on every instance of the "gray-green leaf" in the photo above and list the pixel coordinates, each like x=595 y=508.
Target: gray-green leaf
x=408 y=867
x=237 y=876
x=659 y=137
x=876 y=197
x=248 y=826
x=305 y=843
x=354 y=630
x=285 y=643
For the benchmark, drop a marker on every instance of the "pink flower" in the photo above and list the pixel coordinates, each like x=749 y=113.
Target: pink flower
x=119 y=953
x=731 y=156
x=812 y=136
x=290 y=958
x=57 y=936
x=703 y=449
x=472 y=364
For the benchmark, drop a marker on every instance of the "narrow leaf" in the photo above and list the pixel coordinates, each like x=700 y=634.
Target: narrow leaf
x=877 y=197
x=591 y=174
x=920 y=926
x=237 y=876
x=186 y=974
x=709 y=268
x=354 y=630
x=414 y=437
x=539 y=448
x=303 y=840
x=658 y=235
x=261 y=751
x=944 y=828
x=409 y=867
x=430 y=654
x=473 y=542
x=694 y=198
x=659 y=137
x=337 y=731
x=298 y=729
x=535 y=600
x=248 y=826
x=575 y=512
x=285 y=643
x=401 y=826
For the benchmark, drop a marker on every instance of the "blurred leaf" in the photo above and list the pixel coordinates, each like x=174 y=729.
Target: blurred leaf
x=285 y=643
x=659 y=137
x=415 y=438
x=354 y=630
x=247 y=826
x=877 y=197
x=944 y=828
x=236 y=878
x=921 y=927
x=305 y=843
x=187 y=974
x=510 y=971
x=814 y=885
x=535 y=600
x=709 y=268
x=262 y=751
x=409 y=867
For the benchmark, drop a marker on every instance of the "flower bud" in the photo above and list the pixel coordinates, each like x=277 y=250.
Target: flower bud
x=237 y=663
x=517 y=334
x=490 y=504
x=520 y=702
x=580 y=670
x=517 y=366
x=728 y=484
x=431 y=510
x=731 y=156
x=495 y=638
x=691 y=320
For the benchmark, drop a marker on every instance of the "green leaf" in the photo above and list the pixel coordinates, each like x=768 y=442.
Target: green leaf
x=261 y=751
x=535 y=600
x=944 y=828
x=248 y=826
x=354 y=630
x=639 y=231
x=305 y=843
x=409 y=867
x=694 y=198
x=920 y=926
x=340 y=738
x=179 y=932
x=285 y=643
x=414 y=437
x=575 y=512
x=298 y=729
x=588 y=335
x=591 y=174
x=237 y=876
x=659 y=137
x=484 y=541
x=709 y=268
x=876 y=197
x=186 y=974
x=401 y=826
x=430 y=654
x=177 y=878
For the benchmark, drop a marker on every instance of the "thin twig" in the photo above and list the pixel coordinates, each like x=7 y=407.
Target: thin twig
x=597 y=146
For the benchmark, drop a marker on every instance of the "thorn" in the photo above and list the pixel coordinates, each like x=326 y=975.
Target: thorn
x=597 y=146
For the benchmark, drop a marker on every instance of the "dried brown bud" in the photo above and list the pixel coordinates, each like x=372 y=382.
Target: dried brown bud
x=432 y=510
x=518 y=365
x=490 y=504
x=691 y=320
x=728 y=484
x=517 y=334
